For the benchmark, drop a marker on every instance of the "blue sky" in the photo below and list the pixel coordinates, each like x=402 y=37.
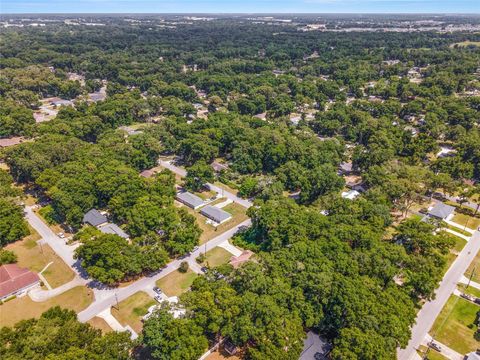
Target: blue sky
x=237 y=6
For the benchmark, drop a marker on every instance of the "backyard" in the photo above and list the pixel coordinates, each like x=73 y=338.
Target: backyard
x=23 y=308
x=131 y=310
x=176 y=282
x=455 y=327
x=35 y=257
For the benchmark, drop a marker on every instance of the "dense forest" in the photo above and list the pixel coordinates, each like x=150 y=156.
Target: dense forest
x=283 y=109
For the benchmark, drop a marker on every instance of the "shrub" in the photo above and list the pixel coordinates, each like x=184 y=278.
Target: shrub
x=183 y=267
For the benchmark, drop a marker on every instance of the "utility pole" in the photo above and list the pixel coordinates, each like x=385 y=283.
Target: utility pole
x=116 y=299
x=470 y=278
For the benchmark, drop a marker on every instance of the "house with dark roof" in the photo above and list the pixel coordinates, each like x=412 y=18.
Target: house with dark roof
x=95 y=218
x=15 y=280
x=441 y=211
x=216 y=214
x=189 y=199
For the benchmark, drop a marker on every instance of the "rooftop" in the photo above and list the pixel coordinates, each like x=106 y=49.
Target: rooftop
x=236 y=261
x=189 y=199
x=14 y=278
x=94 y=218
x=110 y=228
x=216 y=214
x=441 y=210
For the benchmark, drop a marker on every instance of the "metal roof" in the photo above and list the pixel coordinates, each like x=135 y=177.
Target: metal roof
x=189 y=199
x=110 y=228
x=441 y=210
x=94 y=218
x=216 y=214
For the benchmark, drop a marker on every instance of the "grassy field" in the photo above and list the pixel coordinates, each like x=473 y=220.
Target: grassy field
x=23 y=308
x=217 y=256
x=176 y=282
x=466 y=43
x=35 y=257
x=99 y=323
x=474 y=265
x=453 y=327
x=471 y=222
x=208 y=231
x=132 y=309
x=470 y=290
x=432 y=354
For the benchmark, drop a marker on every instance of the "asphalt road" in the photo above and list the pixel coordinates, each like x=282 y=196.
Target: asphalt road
x=429 y=312
x=125 y=292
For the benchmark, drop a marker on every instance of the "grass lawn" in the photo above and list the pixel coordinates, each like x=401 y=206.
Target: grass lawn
x=176 y=282
x=454 y=326
x=471 y=222
x=239 y=214
x=225 y=187
x=455 y=228
x=474 y=265
x=470 y=290
x=432 y=354
x=459 y=244
x=35 y=257
x=23 y=308
x=99 y=323
x=132 y=309
x=217 y=256
x=205 y=194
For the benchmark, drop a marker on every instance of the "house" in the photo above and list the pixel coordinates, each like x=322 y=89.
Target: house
x=217 y=166
x=230 y=347
x=261 y=116
x=94 y=218
x=315 y=347
x=350 y=194
x=147 y=173
x=15 y=280
x=216 y=214
x=441 y=211
x=189 y=199
x=345 y=168
x=237 y=261
x=110 y=228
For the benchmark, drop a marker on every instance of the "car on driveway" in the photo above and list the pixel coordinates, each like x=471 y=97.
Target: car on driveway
x=435 y=346
x=157 y=290
x=158 y=298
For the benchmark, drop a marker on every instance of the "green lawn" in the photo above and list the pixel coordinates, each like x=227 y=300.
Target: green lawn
x=217 y=256
x=432 y=354
x=470 y=290
x=471 y=222
x=457 y=229
x=455 y=327
x=131 y=310
x=475 y=268
x=176 y=282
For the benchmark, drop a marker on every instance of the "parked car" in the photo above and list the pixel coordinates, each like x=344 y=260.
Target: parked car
x=61 y=235
x=158 y=298
x=477 y=301
x=204 y=269
x=435 y=346
x=466 y=296
x=157 y=290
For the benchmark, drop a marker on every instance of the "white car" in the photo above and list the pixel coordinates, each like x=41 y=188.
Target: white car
x=158 y=298
x=61 y=235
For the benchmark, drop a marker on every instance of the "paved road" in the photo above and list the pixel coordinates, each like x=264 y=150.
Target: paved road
x=429 y=312
x=179 y=171
x=123 y=293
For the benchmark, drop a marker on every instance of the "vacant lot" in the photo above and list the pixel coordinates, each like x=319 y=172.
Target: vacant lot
x=454 y=326
x=23 y=308
x=470 y=221
x=99 y=323
x=36 y=257
x=176 y=282
x=217 y=256
x=132 y=309
x=475 y=268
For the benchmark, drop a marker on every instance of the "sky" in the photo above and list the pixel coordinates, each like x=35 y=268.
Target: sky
x=239 y=6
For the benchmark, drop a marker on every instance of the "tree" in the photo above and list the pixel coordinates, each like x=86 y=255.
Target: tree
x=12 y=225
x=198 y=175
x=7 y=257
x=167 y=338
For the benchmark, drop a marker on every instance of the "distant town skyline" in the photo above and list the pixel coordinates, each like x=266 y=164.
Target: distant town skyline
x=244 y=6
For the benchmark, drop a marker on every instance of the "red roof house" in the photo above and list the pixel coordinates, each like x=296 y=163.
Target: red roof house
x=14 y=280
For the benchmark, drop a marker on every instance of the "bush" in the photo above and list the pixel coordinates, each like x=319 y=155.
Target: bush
x=183 y=267
x=201 y=258
x=7 y=257
x=48 y=214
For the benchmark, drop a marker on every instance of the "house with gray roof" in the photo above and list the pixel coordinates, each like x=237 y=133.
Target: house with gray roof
x=216 y=214
x=95 y=218
x=441 y=211
x=189 y=199
x=110 y=228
